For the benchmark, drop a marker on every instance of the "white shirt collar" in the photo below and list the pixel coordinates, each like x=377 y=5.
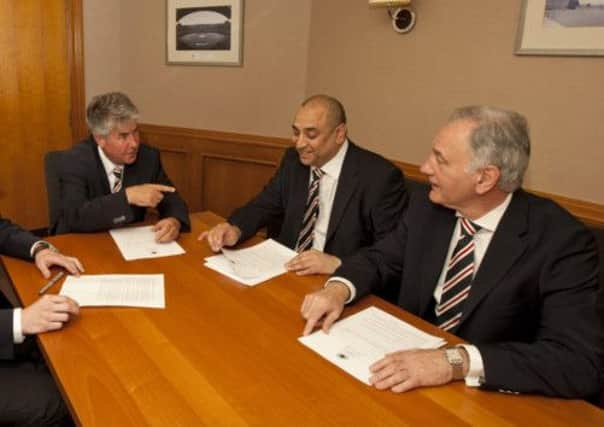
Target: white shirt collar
x=334 y=166
x=107 y=164
x=491 y=219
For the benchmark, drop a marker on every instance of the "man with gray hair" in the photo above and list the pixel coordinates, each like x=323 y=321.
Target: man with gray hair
x=510 y=272
x=110 y=179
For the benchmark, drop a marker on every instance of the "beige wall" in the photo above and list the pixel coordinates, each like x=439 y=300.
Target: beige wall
x=256 y=98
x=398 y=89
x=102 y=45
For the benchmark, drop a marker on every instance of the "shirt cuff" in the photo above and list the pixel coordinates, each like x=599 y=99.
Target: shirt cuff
x=349 y=285
x=18 y=336
x=33 y=248
x=475 y=376
x=39 y=245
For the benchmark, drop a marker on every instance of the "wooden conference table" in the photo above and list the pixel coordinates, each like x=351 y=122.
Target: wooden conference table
x=225 y=354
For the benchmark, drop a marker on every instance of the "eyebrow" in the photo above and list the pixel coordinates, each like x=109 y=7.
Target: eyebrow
x=307 y=129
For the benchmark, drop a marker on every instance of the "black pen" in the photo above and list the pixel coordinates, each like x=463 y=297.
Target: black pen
x=51 y=282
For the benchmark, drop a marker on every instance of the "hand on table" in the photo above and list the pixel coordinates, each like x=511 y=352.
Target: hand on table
x=223 y=234
x=324 y=307
x=313 y=262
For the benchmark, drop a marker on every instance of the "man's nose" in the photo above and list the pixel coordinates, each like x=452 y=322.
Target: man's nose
x=299 y=141
x=425 y=168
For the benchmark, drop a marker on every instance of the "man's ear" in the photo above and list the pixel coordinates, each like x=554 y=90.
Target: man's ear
x=341 y=131
x=487 y=179
x=100 y=140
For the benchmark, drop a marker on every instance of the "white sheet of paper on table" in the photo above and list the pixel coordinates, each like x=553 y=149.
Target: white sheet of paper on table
x=139 y=243
x=253 y=265
x=129 y=290
x=358 y=341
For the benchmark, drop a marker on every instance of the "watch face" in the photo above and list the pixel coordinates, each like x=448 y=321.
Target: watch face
x=454 y=356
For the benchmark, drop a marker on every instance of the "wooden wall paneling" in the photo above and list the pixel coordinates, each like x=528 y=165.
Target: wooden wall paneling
x=230 y=182
x=590 y=213
x=75 y=59
x=201 y=160
x=35 y=106
x=177 y=165
x=229 y=168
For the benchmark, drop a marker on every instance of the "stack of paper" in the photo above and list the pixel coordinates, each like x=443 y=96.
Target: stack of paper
x=131 y=290
x=252 y=265
x=355 y=343
x=139 y=242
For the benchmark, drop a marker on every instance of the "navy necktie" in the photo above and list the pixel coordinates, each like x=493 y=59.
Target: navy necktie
x=458 y=278
x=311 y=213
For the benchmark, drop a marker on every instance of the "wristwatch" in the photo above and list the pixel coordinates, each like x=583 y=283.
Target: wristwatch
x=455 y=359
x=40 y=245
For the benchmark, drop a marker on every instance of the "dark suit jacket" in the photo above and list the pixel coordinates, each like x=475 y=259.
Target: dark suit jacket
x=531 y=309
x=368 y=203
x=86 y=201
x=14 y=241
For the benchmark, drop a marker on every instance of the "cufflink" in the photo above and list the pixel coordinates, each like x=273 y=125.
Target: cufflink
x=119 y=219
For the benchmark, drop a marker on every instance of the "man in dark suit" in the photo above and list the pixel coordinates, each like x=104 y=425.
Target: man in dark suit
x=110 y=179
x=512 y=273
x=28 y=395
x=359 y=195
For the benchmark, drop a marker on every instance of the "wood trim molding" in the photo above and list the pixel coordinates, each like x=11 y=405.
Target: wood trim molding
x=75 y=58
x=588 y=212
x=265 y=150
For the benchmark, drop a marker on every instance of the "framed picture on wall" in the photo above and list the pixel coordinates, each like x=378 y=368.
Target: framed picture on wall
x=561 y=27
x=204 y=32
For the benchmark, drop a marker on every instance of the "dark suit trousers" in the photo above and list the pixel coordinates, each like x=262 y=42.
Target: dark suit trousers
x=28 y=394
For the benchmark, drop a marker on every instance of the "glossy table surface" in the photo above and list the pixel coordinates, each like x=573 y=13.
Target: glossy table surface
x=224 y=354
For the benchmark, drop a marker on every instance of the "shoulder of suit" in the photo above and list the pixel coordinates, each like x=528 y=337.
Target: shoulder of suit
x=145 y=150
x=542 y=209
x=371 y=161
x=81 y=153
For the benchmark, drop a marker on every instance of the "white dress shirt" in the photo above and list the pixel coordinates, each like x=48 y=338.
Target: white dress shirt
x=18 y=336
x=327 y=193
x=488 y=223
x=109 y=166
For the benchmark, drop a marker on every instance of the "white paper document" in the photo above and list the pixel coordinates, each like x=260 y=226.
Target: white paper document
x=139 y=243
x=252 y=265
x=129 y=290
x=356 y=342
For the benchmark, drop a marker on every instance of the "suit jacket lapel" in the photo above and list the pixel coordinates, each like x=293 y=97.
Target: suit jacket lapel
x=438 y=233
x=99 y=166
x=506 y=247
x=347 y=185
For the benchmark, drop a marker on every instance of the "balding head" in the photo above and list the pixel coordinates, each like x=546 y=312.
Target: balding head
x=334 y=108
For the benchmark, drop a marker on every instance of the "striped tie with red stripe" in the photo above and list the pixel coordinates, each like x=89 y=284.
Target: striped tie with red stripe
x=458 y=278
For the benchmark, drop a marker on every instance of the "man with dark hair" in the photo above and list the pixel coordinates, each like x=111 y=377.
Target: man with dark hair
x=28 y=395
x=332 y=196
x=512 y=273
x=110 y=179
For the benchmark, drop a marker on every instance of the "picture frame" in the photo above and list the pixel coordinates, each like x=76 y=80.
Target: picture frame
x=561 y=27
x=204 y=32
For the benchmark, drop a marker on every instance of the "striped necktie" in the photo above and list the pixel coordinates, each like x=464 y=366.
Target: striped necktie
x=311 y=213
x=118 y=173
x=458 y=278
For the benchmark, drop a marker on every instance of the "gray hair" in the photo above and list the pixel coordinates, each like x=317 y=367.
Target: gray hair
x=107 y=110
x=500 y=138
x=335 y=110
